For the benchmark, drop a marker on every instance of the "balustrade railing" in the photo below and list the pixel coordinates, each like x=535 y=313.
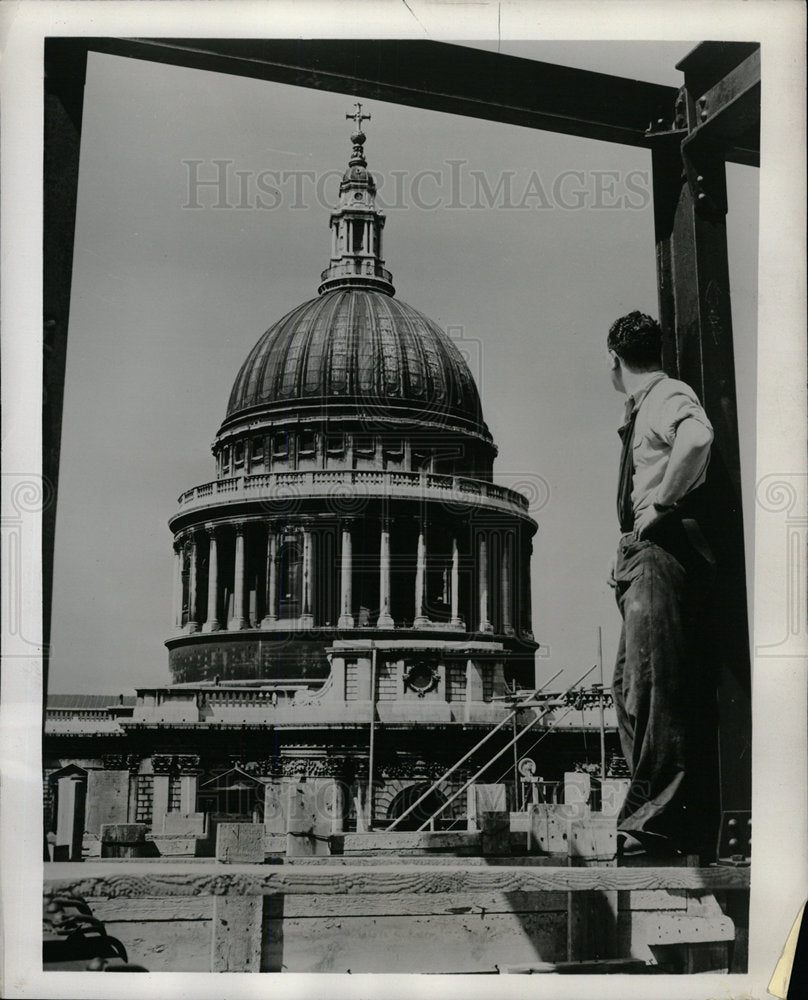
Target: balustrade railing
x=364 y=481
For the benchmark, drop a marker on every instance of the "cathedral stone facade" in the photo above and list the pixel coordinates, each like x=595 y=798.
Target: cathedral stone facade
x=351 y=577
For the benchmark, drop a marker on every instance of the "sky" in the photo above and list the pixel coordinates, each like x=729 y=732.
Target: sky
x=168 y=299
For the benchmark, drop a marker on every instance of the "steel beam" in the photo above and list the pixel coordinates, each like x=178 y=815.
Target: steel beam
x=689 y=177
x=450 y=78
x=731 y=107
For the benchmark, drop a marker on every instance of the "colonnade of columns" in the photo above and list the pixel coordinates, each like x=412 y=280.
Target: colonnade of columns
x=240 y=617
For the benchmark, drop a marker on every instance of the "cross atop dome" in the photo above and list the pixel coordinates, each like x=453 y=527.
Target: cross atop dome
x=358 y=137
x=358 y=117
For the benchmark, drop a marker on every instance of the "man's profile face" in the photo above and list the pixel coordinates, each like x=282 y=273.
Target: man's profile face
x=616 y=372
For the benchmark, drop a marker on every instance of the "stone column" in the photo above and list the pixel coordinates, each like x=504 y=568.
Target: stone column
x=385 y=619
x=307 y=618
x=270 y=616
x=420 y=579
x=193 y=597
x=482 y=564
x=177 y=596
x=456 y=621
x=528 y=627
x=70 y=813
x=159 y=802
x=505 y=589
x=346 y=619
x=189 y=776
x=239 y=619
x=213 y=624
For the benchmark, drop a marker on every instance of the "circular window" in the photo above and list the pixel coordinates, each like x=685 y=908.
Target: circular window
x=421 y=677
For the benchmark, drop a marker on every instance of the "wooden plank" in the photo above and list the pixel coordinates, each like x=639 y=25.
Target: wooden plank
x=656 y=899
x=315 y=906
x=430 y=943
x=146 y=878
x=591 y=926
x=680 y=928
x=236 y=944
x=458 y=858
x=160 y=910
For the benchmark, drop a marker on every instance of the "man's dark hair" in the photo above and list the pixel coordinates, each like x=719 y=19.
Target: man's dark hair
x=637 y=340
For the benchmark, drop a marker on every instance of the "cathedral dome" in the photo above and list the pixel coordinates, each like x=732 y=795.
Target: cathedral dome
x=357 y=349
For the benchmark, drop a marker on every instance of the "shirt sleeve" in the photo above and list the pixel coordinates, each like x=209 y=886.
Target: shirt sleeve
x=676 y=406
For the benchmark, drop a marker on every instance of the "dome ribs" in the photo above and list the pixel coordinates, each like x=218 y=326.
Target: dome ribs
x=367 y=353
x=263 y=390
x=361 y=348
x=392 y=361
x=312 y=367
x=336 y=380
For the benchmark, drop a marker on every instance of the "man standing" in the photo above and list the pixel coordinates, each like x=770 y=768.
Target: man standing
x=661 y=574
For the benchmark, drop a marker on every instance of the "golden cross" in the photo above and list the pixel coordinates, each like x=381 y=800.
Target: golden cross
x=358 y=117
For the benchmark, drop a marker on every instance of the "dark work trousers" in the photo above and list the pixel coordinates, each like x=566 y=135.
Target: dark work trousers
x=665 y=696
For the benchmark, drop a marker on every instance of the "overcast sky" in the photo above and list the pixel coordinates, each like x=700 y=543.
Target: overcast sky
x=168 y=300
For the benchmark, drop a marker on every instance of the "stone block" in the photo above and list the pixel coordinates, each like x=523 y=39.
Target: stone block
x=309 y=821
x=240 y=843
x=274 y=811
x=495 y=828
x=123 y=840
x=612 y=795
x=550 y=828
x=175 y=847
x=177 y=824
x=107 y=799
x=123 y=833
x=577 y=790
x=594 y=837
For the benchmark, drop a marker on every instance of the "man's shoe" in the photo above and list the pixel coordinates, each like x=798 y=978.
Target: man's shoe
x=629 y=846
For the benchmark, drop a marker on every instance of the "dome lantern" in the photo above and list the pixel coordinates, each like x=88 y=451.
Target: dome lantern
x=356 y=226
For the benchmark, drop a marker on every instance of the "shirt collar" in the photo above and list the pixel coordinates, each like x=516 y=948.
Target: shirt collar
x=649 y=381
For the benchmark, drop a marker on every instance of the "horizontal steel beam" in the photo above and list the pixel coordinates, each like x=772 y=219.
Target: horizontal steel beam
x=435 y=75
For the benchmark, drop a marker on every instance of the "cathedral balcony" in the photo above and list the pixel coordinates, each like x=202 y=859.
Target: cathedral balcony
x=342 y=485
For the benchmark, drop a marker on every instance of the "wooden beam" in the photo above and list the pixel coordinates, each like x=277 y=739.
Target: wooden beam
x=236 y=937
x=158 y=879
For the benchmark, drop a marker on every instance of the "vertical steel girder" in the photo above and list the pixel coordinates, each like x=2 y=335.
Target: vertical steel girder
x=715 y=107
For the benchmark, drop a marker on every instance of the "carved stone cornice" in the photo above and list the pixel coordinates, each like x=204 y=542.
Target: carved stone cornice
x=163 y=763
x=121 y=762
